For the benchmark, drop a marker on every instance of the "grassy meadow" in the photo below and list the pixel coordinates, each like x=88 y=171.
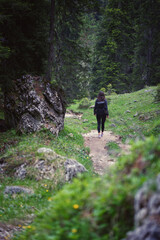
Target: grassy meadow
x=90 y=202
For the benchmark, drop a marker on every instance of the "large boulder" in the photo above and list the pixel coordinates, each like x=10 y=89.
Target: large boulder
x=49 y=165
x=147 y=212
x=34 y=104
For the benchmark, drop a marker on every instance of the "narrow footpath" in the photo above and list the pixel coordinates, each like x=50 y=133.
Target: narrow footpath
x=98 y=152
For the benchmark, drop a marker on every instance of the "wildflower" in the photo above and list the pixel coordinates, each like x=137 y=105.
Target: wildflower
x=19 y=225
x=21 y=205
x=74 y=230
x=75 y=206
x=29 y=226
x=45 y=185
x=47 y=190
x=24 y=227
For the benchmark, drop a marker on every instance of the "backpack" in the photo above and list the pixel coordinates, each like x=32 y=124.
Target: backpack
x=101 y=108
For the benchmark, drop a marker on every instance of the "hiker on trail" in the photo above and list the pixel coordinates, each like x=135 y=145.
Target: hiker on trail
x=101 y=112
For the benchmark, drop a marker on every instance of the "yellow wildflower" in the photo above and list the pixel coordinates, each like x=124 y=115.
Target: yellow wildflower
x=75 y=206
x=74 y=230
x=24 y=227
x=29 y=226
x=45 y=185
x=19 y=225
x=47 y=190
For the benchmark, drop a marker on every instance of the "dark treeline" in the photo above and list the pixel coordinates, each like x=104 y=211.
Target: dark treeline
x=127 y=52
x=94 y=43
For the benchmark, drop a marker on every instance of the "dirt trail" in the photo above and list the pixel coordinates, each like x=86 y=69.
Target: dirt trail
x=99 y=154
x=98 y=151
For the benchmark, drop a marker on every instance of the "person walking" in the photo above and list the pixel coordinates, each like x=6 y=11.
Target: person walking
x=101 y=112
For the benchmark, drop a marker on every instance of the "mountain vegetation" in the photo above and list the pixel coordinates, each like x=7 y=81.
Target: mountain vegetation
x=66 y=51
x=107 y=210
x=94 y=43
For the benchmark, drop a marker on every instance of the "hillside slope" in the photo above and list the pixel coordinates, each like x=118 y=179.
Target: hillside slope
x=102 y=205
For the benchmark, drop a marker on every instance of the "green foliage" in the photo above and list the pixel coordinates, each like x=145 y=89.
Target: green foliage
x=127 y=53
x=112 y=146
x=23 y=45
x=127 y=124
x=84 y=103
x=24 y=206
x=101 y=202
x=99 y=208
x=110 y=90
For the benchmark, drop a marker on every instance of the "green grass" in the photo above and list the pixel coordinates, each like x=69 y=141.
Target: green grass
x=142 y=120
x=19 y=208
x=113 y=146
x=18 y=149
x=99 y=208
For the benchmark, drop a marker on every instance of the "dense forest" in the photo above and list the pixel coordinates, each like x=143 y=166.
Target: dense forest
x=59 y=177
x=83 y=45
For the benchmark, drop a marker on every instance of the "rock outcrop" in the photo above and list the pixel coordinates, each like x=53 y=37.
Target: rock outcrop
x=49 y=165
x=147 y=213
x=17 y=190
x=72 y=168
x=33 y=104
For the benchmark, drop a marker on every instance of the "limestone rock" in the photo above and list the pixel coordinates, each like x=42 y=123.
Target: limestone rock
x=135 y=115
x=33 y=104
x=72 y=168
x=49 y=165
x=17 y=189
x=147 y=213
x=47 y=153
x=128 y=111
x=21 y=171
x=112 y=125
x=45 y=150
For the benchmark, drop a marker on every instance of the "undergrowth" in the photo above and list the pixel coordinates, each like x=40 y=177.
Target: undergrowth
x=98 y=208
x=91 y=207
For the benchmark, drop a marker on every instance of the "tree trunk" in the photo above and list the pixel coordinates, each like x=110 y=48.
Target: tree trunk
x=51 y=42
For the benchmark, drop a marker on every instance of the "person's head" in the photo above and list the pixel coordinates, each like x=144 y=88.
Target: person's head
x=101 y=96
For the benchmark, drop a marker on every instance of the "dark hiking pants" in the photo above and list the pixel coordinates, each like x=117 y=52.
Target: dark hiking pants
x=100 y=121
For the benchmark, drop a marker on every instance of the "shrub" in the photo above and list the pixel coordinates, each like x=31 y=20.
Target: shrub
x=98 y=208
x=110 y=89
x=84 y=103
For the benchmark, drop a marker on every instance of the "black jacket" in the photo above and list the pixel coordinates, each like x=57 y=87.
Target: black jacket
x=101 y=108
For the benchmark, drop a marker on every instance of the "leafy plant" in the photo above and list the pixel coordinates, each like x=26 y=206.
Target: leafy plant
x=98 y=208
x=84 y=103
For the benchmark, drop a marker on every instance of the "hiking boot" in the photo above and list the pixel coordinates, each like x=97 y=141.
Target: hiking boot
x=102 y=134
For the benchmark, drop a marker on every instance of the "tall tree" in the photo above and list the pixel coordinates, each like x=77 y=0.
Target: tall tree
x=24 y=32
x=127 y=51
x=51 y=41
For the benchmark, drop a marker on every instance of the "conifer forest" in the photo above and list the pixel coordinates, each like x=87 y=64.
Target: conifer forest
x=79 y=120
x=83 y=45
